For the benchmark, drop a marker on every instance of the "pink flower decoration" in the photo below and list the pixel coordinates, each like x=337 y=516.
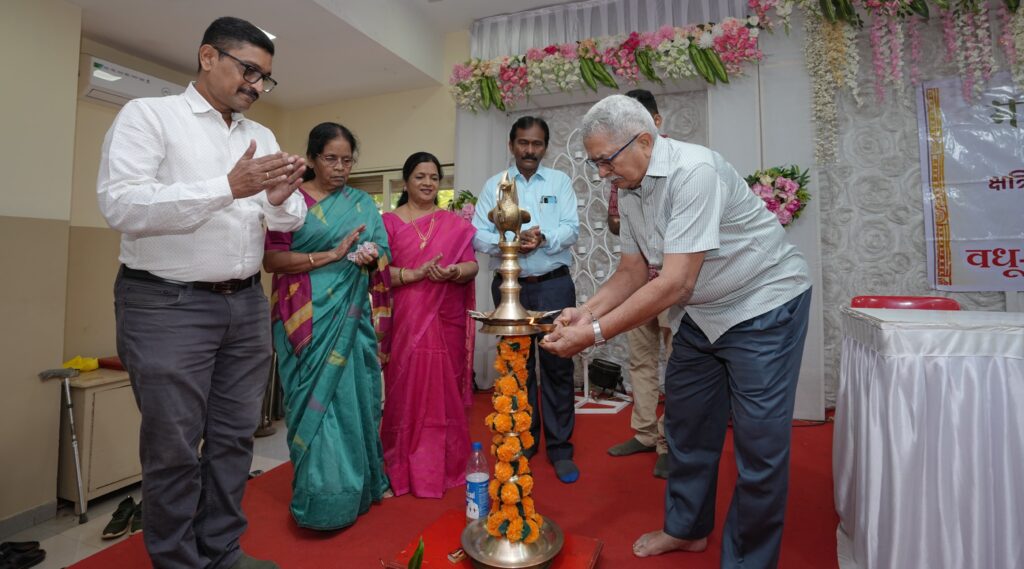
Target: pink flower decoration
x=467 y=211
x=785 y=217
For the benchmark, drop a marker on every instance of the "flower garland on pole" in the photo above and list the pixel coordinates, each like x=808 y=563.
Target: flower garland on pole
x=513 y=516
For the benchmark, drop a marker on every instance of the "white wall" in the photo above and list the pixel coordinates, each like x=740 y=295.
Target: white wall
x=776 y=96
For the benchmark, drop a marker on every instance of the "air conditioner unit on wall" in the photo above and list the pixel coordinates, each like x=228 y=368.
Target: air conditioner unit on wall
x=101 y=80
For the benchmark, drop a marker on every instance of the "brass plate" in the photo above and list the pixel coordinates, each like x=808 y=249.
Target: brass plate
x=488 y=552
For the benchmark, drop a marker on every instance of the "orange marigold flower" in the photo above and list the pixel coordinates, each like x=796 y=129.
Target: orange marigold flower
x=510 y=493
x=522 y=401
x=507 y=385
x=526 y=483
x=492 y=489
x=522 y=420
x=527 y=437
x=519 y=370
x=502 y=471
x=503 y=404
x=529 y=510
x=494 y=521
x=502 y=423
x=510 y=511
x=524 y=466
x=505 y=453
x=534 y=533
x=515 y=530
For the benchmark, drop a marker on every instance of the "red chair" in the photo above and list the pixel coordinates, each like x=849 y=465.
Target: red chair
x=913 y=302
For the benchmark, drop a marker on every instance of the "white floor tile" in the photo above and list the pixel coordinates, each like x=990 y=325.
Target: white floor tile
x=62 y=551
x=275 y=446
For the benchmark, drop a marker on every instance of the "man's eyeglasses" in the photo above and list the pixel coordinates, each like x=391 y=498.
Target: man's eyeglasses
x=252 y=74
x=332 y=161
x=607 y=162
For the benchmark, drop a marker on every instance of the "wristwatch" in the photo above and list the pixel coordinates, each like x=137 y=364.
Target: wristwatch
x=598 y=336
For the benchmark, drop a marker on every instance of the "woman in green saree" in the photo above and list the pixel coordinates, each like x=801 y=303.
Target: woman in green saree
x=325 y=330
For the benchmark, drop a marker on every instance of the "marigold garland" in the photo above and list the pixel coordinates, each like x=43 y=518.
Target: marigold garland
x=513 y=515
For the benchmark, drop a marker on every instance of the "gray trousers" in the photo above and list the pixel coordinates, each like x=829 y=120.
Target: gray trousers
x=755 y=366
x=199 y=362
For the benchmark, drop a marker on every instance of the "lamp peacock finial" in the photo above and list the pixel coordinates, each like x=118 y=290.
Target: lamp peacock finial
x=507 y=215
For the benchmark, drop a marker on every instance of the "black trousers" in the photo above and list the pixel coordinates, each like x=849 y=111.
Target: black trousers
x=557 y=409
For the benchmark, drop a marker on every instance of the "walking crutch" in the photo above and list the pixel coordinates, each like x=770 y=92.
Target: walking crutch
x=66 y=374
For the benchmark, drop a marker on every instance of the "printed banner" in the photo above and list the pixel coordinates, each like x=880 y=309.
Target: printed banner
x=972 y=173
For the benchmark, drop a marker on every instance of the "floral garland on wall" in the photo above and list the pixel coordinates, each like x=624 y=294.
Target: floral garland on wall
x=713 y=52
x=716 y=52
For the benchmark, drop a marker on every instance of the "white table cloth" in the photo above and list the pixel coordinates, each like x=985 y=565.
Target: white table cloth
x=928 y=454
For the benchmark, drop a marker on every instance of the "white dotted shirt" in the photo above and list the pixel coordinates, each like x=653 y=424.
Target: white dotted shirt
x=163 y=184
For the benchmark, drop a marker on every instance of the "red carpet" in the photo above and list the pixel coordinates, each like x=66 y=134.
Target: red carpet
x=615 y=500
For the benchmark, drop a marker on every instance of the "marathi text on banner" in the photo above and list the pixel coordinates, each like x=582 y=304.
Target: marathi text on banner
x=972 y=174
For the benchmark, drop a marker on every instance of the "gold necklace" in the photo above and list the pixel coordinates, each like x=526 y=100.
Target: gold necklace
x=430 y=229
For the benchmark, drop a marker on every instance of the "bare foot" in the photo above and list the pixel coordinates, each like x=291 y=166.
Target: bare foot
x=388 y=494
x=658 y=542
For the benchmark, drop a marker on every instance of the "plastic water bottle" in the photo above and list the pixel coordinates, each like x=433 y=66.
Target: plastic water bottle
x=478 y=499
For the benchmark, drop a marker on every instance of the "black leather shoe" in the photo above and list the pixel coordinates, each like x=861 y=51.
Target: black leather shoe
x=9 y=547
x=22 y=559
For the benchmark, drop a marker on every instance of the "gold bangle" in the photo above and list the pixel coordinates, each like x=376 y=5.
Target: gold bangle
x=401 y=276
x=458 y=273
x=311 y=261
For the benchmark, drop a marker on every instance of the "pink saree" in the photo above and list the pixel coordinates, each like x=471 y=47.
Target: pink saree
x=428 y=381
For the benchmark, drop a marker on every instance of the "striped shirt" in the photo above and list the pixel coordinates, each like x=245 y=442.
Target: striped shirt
x=690 y=201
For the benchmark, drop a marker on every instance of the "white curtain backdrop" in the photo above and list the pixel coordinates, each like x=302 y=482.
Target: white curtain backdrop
x=737 y=126
x=515 y=33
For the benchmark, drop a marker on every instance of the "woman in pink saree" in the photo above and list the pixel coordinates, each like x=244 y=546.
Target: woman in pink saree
x=428 y=381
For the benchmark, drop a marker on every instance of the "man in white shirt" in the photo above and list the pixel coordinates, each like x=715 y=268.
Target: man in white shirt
x=746 y=292
x=191 y=184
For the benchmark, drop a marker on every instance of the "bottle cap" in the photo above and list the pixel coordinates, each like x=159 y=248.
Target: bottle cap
x=478 y=446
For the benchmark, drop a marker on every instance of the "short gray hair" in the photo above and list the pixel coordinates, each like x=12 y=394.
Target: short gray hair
x=619 y=117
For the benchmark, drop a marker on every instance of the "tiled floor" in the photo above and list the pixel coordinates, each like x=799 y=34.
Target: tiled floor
x=66 y=541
